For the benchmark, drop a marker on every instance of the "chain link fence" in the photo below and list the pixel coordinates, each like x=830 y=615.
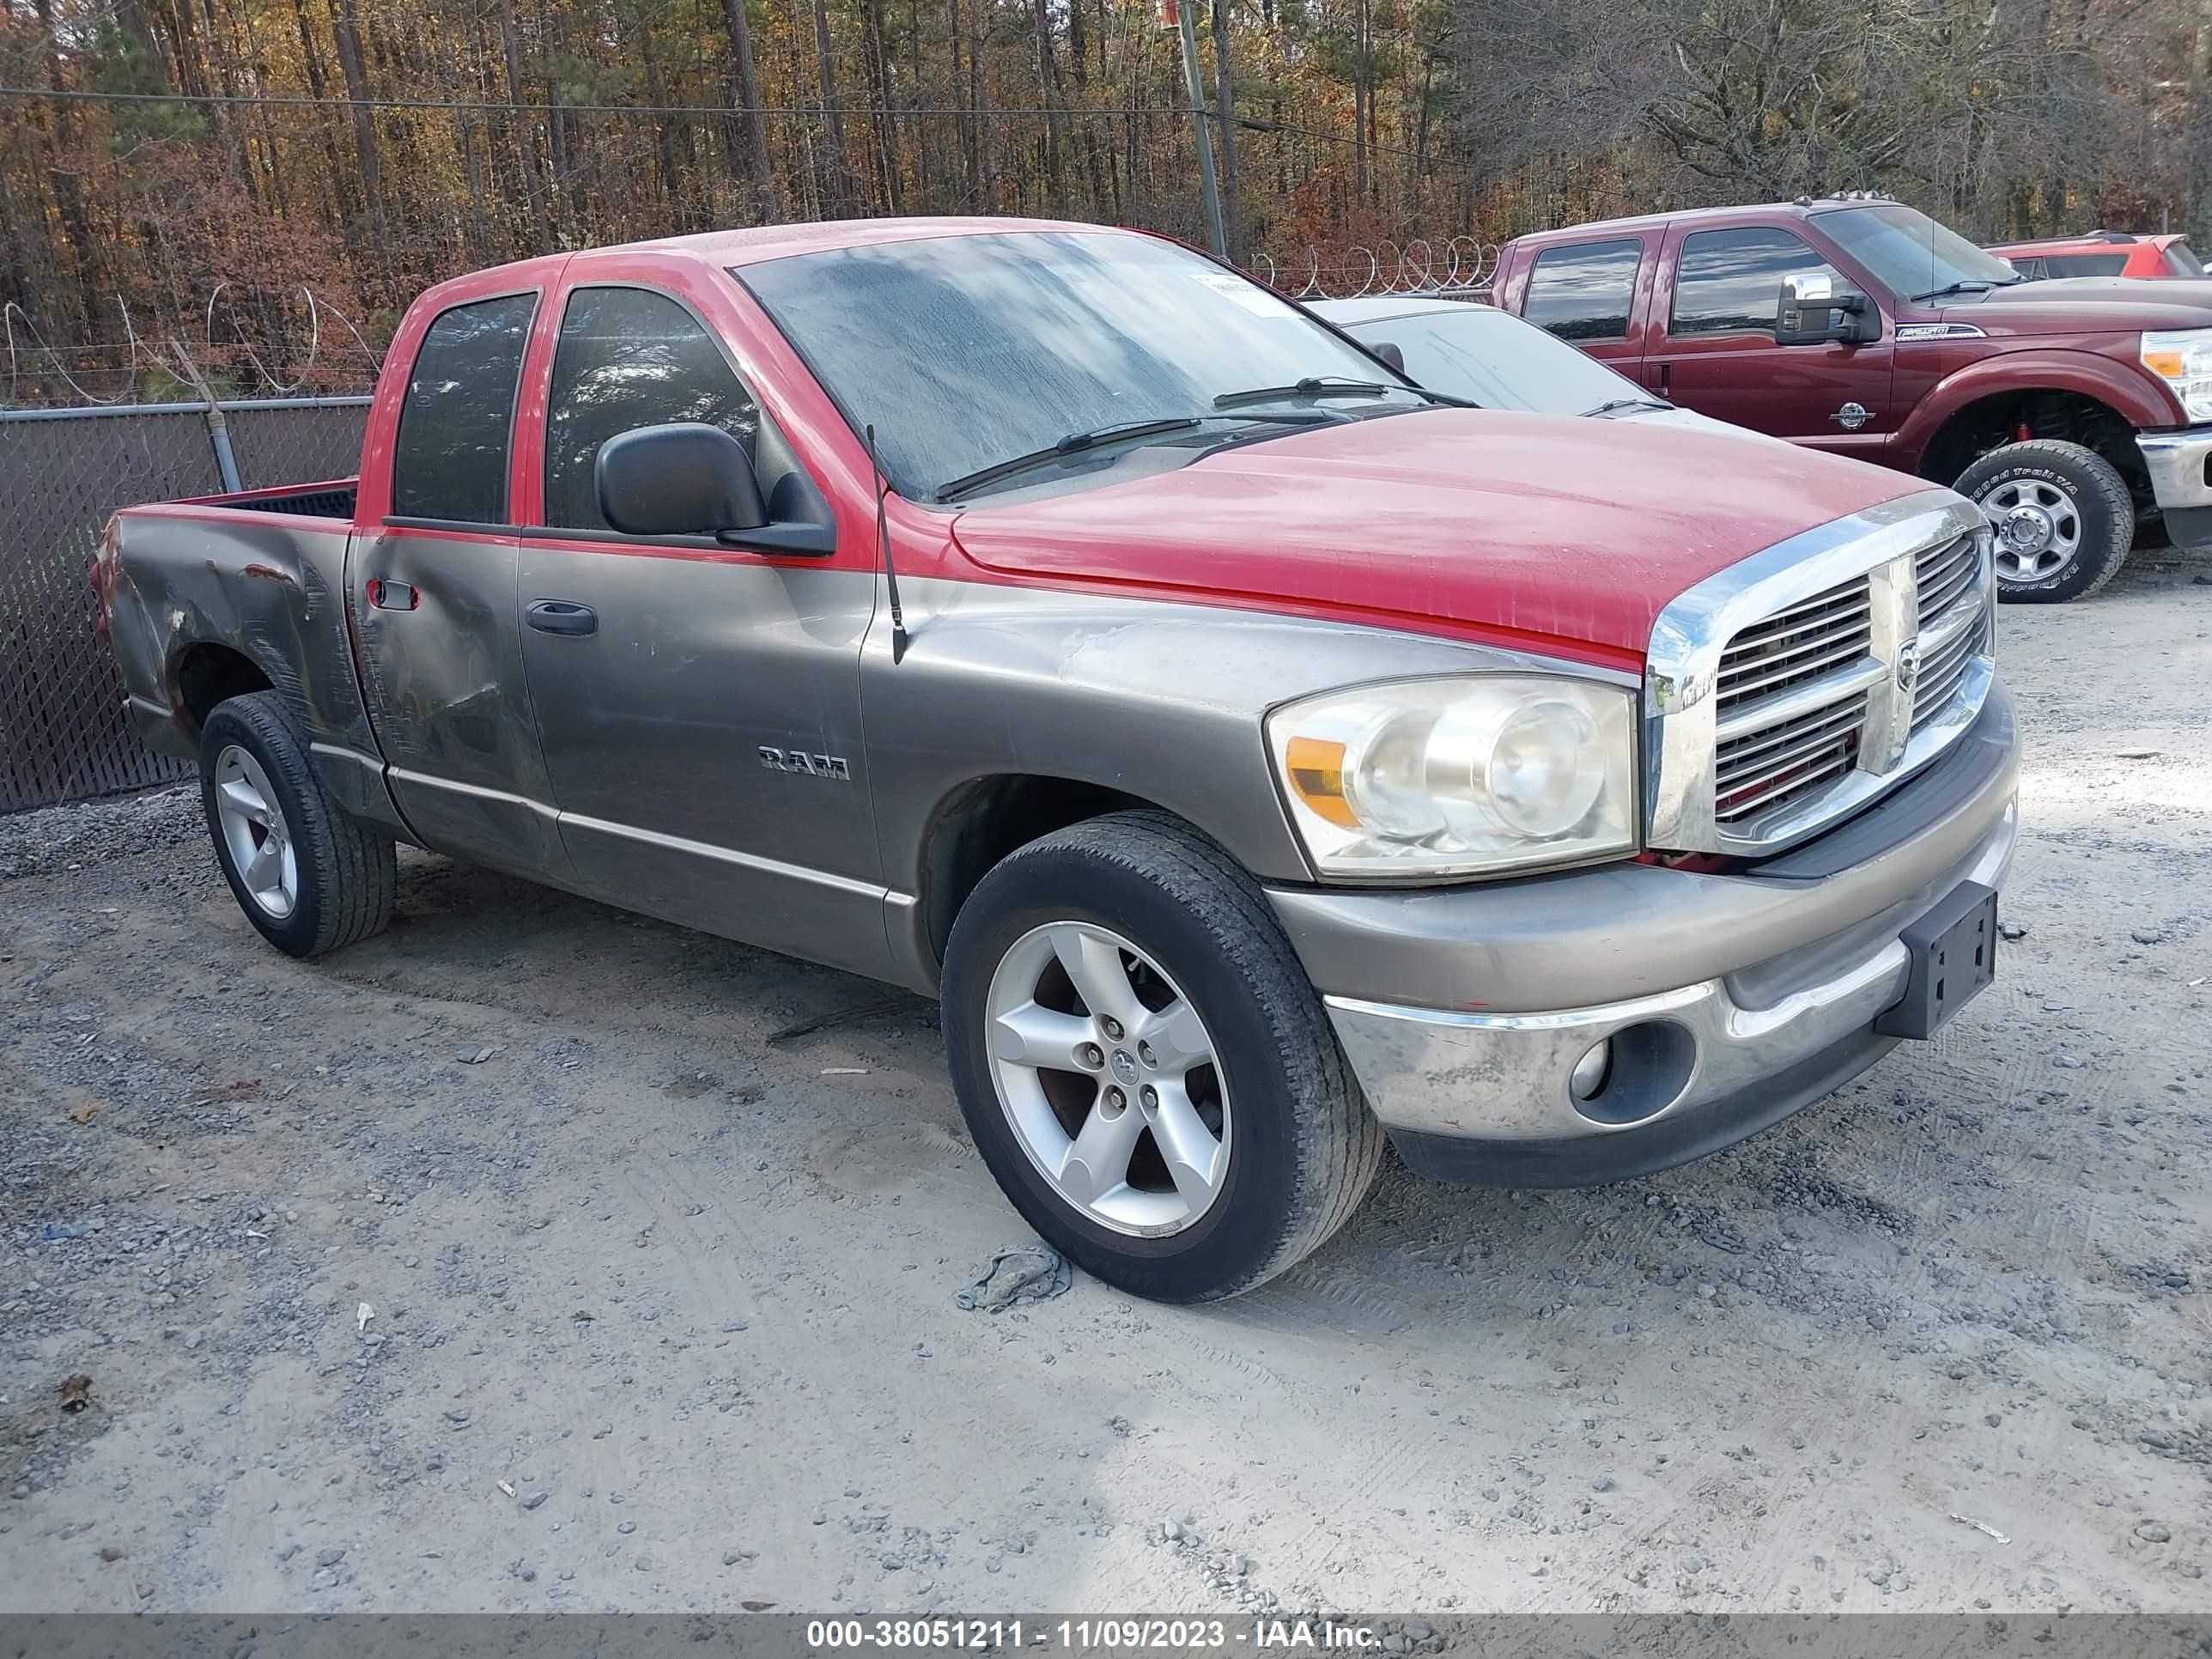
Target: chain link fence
x=63 y=735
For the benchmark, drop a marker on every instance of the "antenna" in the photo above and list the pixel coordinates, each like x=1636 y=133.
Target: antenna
x=883 y=547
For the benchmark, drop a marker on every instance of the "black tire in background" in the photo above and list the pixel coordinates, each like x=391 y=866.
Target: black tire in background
x=2098 y=495
x=345 y=876
x=1304 y=1148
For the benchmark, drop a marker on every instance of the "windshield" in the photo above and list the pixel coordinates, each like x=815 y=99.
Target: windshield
x=1497 y=361
x=964 y=351
x=1908 y=253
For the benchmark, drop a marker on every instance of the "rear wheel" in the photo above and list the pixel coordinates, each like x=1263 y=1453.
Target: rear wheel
x=308 y=878
x=2063 y=514
x=1144 y=1066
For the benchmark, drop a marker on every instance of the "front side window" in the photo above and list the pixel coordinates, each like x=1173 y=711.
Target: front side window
x=1494 y=359
x=965 y=352
x=2084 y=264
x=628 y=357
x=449 y=460
x=1583 y=292
x=1729 y=282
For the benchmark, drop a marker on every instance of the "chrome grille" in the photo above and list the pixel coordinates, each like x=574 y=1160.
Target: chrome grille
x=1953 y=622
x=1791 y=758
x=1792 y=690
x=1789 y=709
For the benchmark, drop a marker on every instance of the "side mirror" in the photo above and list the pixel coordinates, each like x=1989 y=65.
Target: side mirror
x=683 y=479
x=1810 y=313
x=1388 y=353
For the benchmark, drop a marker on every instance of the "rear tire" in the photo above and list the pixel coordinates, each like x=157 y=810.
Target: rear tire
x=309 y=877
x=2063 y=514
x=1149 y=908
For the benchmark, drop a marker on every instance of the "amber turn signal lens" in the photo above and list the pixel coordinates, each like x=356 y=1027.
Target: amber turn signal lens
x=1316 y=771
x=2169 y=364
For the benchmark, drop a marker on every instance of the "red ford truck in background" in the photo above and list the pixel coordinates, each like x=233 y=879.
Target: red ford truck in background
x=1257 y=753
x=2073 y=412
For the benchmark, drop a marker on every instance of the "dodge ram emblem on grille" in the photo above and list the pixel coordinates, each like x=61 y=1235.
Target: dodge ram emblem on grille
x=1908 y=665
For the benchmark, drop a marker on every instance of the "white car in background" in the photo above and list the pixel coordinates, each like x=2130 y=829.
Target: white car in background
x=1468 y=349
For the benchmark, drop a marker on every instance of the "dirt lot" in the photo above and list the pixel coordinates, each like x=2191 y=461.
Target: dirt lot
x=650 y=1308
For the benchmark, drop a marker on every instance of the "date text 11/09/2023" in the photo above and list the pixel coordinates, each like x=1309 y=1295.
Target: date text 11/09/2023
x=1086 y=1635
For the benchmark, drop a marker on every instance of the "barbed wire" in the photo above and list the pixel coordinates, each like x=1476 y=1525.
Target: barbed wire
x=1458 y=266
x=174 y=357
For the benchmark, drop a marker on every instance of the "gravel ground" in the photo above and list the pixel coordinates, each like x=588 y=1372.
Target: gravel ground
x=514 y=1260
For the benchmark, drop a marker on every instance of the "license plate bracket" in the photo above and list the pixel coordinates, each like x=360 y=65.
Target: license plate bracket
x=1954 y=955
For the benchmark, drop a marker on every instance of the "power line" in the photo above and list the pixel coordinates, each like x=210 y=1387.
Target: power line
x=288 y=101
x=294 y=101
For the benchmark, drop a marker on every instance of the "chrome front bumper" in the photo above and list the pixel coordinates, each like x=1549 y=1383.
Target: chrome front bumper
x=1481 y=1091
x=2181 y=465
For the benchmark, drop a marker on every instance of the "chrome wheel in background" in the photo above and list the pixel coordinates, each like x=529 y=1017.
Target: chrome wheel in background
x=2038 y=528
x=1109 y=1078
x=254 y=833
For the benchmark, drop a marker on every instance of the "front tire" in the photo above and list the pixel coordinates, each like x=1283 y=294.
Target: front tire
x=1144 y=1066
x=2063 y=516
x=309 y=877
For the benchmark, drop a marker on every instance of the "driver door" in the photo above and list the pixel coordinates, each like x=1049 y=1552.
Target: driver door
x=673 y=678
x=1713 y=349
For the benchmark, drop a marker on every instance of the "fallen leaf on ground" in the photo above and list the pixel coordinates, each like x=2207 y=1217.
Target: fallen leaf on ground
x=84 y=1111
x=75 y=1392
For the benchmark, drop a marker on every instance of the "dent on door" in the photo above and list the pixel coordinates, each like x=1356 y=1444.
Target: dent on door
x=444 y=676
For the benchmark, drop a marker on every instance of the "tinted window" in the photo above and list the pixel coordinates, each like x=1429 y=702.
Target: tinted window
x=965 y=351
x=2181 y=260
x=1499 y=360
x=2084 y=264
x=1583 y=292
x=1729 y=282
x=450 y=458
x=628 y=358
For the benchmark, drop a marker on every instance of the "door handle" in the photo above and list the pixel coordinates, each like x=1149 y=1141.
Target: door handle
x=393 y=596
x=1666 y=379
x=563 y=616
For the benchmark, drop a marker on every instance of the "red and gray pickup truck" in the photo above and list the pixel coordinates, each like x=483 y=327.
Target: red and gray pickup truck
x=1256 y=752
x=2074 y=412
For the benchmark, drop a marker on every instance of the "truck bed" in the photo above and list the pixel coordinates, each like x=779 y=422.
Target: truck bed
x=332 y=499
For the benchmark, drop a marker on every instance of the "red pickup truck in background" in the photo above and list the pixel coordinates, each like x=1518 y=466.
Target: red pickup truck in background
x=2074 y=412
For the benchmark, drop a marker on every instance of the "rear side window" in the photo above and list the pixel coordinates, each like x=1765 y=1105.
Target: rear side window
x=1729 y=282
x=2181 y=260
x=1583 y=292
x=449 y=460
x=628 y=357
x=2084 y=264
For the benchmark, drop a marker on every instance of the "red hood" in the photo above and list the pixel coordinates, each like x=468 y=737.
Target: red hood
x=1541 y=529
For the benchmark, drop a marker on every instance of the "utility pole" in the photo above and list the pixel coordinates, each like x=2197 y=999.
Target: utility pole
x=1174 y=12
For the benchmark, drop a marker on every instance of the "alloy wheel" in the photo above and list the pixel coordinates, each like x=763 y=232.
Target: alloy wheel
x=253 y=831
x=1109 y=1079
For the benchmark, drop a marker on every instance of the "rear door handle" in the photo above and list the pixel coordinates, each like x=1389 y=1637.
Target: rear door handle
x=563 y=616
x=393 y=596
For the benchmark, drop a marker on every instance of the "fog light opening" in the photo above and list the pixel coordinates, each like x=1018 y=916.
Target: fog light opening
x=1588 y=1079
x=1633 y=1075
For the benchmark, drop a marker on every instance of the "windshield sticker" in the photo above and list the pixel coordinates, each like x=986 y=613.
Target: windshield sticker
x=1252 y=298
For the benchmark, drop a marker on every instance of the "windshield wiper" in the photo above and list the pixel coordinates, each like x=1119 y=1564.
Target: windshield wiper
x=1075 y=443
x=1619 y=406
x=1335 y=385
x=1966 y=285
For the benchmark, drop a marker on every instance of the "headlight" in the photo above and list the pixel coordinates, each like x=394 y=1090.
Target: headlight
x=2183 y=359
x=1450 y=777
